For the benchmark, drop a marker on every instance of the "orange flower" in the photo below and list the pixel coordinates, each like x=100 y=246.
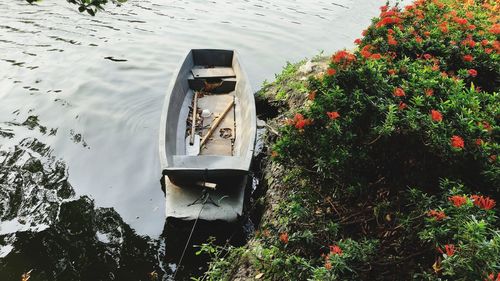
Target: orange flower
x=418 y=39
x=312 y=95
x=402 y=105
x=274 y=154
x=331 y=71
x=398 y=92
x=495 y=29
x=461 y=21
x=429 y=92
x=444 y=27
x=376 y=56
x=457 y=142
x=450 y=249
x=333 y=115
x=436 y=115
x=300 y=122
x=482 y=202
x=438 y=215
x=458 y=200
x=284 y=237
x=469 y=43
x=391 y=40
x=366 y=51
x=391 y=71
x=468 y=58
x=328 y=265
x=335 y=250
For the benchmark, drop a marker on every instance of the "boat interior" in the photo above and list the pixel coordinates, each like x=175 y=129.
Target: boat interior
x=214 y=83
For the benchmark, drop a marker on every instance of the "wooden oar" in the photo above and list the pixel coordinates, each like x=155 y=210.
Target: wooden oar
x=216 y=124
x=193 y=140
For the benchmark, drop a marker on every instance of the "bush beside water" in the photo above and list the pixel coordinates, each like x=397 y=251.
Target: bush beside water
x=388 y=166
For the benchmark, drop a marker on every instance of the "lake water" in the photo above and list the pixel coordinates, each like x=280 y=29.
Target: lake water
x=80 y=103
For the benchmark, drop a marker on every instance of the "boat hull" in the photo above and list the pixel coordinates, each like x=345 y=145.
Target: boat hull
x=175 y=163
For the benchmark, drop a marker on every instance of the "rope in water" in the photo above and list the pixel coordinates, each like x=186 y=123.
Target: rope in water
x=205 y=199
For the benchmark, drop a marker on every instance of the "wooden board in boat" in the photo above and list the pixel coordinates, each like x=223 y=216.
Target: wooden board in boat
x=217 y=144
x=214 y=72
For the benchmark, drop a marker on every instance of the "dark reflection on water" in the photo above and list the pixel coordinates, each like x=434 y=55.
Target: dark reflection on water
x=49 y=231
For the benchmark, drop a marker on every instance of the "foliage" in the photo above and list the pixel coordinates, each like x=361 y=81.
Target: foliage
x=417 y=105
x=399 y=94
x=89 y=6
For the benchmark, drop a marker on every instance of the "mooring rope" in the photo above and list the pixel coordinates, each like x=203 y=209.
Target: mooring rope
x=206 y=195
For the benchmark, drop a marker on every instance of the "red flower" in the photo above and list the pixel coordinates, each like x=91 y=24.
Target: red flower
x=450 y=249
x=390 y=31
x=391 y=71
x=357 y=41
x=284 y=237
x=469 y=43
x=458 y=200
x=471 y=27
x=343 y=57
x=300 y=121
x=376 y=56
x=335 y=250
x=333 y=115
x=427 y=34
x=444 y=27
x=457 y=142
x=391 y=41
x=436 y=115
x=427 y=56
x=331 y=71
x=484 y=42
x=495 y=29
x=418 y=39
x=461 y=21
x=402 y=105
x=429 y=92
x=488 y=50
x=312 y=95
x=468 y=58
x=486 y=126
x=366 y=51
x=472 y=72
x=482 y=202
x=438 y=215
x=491 y=277
x=479 y=142
x=398 y=92
x=328 y=265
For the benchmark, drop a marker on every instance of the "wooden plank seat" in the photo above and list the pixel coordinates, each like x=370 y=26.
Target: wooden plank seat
x=212 y=72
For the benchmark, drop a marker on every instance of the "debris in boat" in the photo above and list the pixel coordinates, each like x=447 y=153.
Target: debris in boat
x=210 y=185
x=205 y=113
x=26 y=276
x=211 y=86
x=226 y=133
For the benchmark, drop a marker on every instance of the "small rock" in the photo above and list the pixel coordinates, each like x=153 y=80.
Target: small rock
x=258 y=276
x=307 y=67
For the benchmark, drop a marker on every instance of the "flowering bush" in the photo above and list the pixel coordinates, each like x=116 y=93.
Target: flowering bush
x=421 y=93
x=466 y=238
x=416 y=105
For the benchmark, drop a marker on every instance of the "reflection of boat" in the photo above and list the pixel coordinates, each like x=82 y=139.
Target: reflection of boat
x=222 y=86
